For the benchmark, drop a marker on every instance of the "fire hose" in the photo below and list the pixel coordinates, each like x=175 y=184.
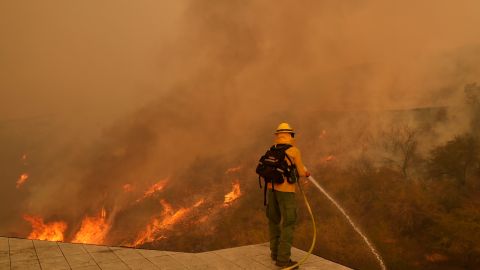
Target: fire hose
x=314 y=230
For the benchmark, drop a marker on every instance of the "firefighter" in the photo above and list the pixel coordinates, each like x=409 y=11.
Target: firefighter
x=281 y=209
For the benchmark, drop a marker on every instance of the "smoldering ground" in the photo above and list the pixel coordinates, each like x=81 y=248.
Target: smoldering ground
x=100 y=95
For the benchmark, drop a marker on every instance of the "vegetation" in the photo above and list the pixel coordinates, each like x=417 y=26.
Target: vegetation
x=417 y=199
x=429 y=222
x=425 y=215
x=422 y=210
x=409 y=180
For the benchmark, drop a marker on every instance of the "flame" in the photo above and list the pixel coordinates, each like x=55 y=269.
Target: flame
x=329 y=158
x=436 y=257
x=233 y=169
x=159 y=186
x=200 y=202
x=24 y=159
x=233 y=195
x=173 y=219
x=22 y=179
x=167 y=220
x=322 y=135
x=203 y=219
x=167 y=208
x=127 y=188
x=93 y=229
x=52 y=231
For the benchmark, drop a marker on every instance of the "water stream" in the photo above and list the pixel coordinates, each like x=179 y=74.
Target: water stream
x=365 y=239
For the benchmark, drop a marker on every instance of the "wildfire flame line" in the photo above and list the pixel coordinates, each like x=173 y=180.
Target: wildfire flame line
x=233 y=195
x=159 y=186
x=52 y=231
x=167 y=220
x=93 y=229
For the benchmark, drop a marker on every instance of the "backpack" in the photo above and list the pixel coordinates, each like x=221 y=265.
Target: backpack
x=273 y=168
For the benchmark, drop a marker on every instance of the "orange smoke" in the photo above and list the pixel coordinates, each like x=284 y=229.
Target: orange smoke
x=52 y=231
x=233 y=195
x=167 y=220
x=22 y=179
x=93 y=229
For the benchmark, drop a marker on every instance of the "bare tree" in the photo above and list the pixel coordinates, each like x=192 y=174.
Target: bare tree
x=472 y=98
x=400 y=144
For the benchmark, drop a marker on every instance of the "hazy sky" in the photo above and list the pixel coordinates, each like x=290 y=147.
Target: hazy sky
x=82 y=57
x=165 y=78
x=105 y=58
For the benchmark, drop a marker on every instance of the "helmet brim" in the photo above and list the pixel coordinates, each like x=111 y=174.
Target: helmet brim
x=289 y=132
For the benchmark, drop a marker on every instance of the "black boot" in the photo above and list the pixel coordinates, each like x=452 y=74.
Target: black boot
x=286 y=264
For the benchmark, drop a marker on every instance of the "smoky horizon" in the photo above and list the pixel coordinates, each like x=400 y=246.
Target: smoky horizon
x=140 y=123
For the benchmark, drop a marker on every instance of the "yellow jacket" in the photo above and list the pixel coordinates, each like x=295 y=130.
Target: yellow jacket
x=294 y=154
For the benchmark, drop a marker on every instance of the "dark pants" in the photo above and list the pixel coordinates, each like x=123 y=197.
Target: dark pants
x=282 y=215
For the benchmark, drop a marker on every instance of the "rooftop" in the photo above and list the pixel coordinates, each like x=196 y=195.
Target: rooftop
x=27 y=254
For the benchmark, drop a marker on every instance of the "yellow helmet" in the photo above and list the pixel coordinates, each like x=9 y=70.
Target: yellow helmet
x=284 y=128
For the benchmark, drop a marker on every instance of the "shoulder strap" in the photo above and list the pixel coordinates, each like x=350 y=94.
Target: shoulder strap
x=280 y=146
x=291 y=163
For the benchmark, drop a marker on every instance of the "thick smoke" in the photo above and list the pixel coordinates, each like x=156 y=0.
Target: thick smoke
x=103 y=95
